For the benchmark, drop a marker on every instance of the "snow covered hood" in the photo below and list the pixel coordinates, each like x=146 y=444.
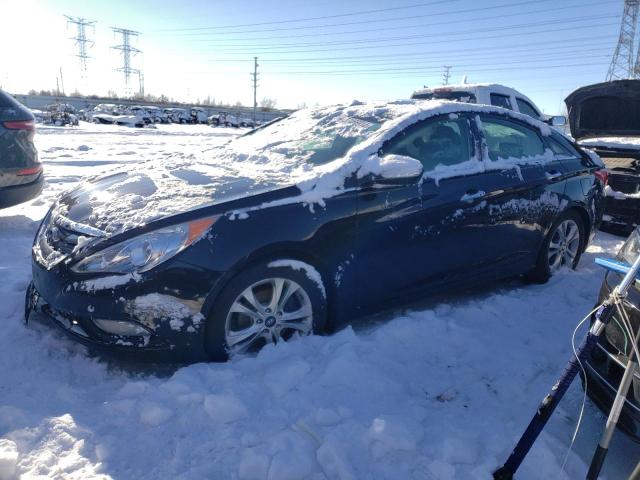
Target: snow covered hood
x=609 y=109
x=313 y=149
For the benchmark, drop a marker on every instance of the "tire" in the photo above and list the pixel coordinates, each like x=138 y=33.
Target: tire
x=263 y=325
x=567 y=253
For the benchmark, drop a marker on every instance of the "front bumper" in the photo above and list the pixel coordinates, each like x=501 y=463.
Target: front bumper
x=172 y=317
x=14 y=195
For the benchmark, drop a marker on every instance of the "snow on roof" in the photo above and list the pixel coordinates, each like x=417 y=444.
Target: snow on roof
x=277 y=156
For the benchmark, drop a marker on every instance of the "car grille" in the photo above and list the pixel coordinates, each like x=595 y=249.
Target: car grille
x=59 y=237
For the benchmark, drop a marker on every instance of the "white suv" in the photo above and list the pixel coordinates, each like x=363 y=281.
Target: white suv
x=489 y=94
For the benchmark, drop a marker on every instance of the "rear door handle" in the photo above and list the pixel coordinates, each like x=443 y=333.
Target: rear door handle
x=472 y=195
x=552 y=174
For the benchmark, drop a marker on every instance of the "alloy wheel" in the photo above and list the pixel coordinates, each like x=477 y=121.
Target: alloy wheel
x=564 y=245
x=269 y=311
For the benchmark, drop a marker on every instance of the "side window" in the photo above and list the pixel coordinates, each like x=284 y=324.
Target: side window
x=560 y=146
x=501 y=101
x=507 y=139
x=442 y=141
x=526 y=108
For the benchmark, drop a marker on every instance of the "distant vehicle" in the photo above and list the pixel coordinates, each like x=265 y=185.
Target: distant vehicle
x=61 y=114
x=220 y=263
x=604 y=117
x=142 y=113
x=37 y=114
x=177 y=115
x=21 y=176
x=198 y=115
x=246 y=122
x=489 y=94
x=157 y=115
x=223 y=119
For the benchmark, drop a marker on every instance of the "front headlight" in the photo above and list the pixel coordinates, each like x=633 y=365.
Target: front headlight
x=144 y=252
x=631 y=248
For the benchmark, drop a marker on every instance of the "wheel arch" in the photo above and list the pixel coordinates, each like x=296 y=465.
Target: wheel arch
x=288 y=251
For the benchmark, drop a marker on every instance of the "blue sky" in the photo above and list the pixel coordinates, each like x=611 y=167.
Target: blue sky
x=194 y=49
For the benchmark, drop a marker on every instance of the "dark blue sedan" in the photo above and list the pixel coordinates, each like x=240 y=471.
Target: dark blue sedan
x=310 y=220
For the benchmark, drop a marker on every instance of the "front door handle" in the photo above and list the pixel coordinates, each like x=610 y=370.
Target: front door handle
x=472 y=195
x=552 y=174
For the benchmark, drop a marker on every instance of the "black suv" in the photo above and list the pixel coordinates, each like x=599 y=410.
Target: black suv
x=21 y=176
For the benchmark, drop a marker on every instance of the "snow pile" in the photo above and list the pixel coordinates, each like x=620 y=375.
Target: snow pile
x=610 y=192
x=624 y=143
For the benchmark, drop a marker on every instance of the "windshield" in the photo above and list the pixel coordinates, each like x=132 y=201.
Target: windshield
x=317 y=136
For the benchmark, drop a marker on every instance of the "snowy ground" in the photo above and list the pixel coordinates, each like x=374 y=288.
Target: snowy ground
x=441 y=390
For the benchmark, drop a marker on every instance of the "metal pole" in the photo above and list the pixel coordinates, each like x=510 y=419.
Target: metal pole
x=550 y=402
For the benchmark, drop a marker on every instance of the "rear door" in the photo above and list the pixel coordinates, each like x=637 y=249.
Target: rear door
x=516 y=148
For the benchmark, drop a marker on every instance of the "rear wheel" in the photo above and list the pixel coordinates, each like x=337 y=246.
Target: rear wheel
x=264 y=305
x=562 y=247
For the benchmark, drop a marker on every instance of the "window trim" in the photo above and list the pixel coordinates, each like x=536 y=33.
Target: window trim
x=508 y=119
x=473 y=137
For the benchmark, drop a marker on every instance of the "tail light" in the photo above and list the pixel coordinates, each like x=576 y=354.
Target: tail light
x=29 y=171
x=21 y=125
x=603 y=176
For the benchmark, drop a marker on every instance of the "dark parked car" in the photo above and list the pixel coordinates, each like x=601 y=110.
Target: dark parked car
x=604 y=117
x=21 y=176
x=605 y=367
x=297 y=226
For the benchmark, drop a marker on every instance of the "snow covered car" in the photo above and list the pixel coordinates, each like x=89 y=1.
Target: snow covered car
x=605 y=367
x=489 y=94
x=61 y=114
x=21 y=175
x=604 y=117
x=157 y=115
x=177 y=115
x=297 y=226
x=198 y=115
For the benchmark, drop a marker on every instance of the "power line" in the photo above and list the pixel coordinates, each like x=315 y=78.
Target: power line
x=81 y=40
x=519 y=27
x=430 y=42
x=504 y=49
x=307 y=19
x=384 y=20
x=397 y=27
x=127 y=51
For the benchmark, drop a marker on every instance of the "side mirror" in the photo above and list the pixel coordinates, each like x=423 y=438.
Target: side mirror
x=391 y=169
x=557 y=121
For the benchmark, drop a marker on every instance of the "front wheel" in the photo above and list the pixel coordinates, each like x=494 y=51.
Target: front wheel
x=562 y=247
x=267 y=303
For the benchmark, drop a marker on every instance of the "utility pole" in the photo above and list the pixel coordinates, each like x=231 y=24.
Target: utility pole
x=622 y=62
x=141 y=82
x=254 y=76
x=81 y=40
x=126 y=50
x=447 y=74
x=61 y=81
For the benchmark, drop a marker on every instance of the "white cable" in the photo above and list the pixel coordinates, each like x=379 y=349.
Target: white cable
x=584 y=396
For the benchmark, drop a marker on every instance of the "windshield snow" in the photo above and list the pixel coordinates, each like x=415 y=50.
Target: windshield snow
x=316 y=136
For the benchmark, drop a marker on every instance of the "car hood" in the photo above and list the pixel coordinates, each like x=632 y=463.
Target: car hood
x=157 y=189
x=610 y=109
